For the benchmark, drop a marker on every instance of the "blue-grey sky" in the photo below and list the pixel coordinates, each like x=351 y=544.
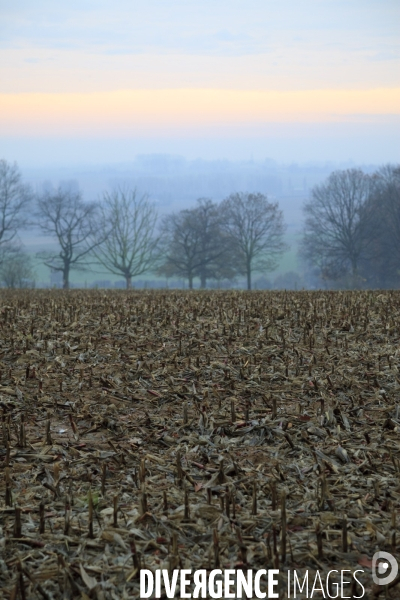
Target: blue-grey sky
x=294 y=81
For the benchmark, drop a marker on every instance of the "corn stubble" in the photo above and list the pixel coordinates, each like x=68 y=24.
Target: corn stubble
x=194 y=430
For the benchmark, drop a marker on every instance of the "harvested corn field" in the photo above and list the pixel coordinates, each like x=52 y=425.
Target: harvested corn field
x=231 y=430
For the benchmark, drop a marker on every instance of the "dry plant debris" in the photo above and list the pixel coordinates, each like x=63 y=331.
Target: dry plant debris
x=195 y=430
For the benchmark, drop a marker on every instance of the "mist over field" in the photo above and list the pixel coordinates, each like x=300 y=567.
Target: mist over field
x=175 y=183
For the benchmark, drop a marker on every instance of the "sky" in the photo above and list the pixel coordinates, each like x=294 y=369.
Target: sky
x=102 y=81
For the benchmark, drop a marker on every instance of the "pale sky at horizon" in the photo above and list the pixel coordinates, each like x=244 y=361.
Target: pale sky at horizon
x=322 y=75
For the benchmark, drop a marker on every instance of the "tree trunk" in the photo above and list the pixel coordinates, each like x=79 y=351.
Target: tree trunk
x=128 y=280
x=190 y=282
x=354 y=270
x=66 y=278
x=248 y=277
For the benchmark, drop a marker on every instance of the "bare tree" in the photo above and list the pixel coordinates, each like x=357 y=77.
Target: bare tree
x=15 y=198
x=127 y=244
x=63 y=215
x=338 y=227
x=196 y=245
x=256 y=228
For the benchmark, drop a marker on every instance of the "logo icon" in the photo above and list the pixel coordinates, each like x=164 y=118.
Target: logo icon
x=384 y=568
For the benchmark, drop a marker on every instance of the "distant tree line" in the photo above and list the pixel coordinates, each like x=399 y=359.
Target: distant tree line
x=123 y=235
x=351 y=234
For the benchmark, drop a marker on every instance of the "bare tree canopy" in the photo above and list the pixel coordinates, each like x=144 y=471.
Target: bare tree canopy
x=126 y=234
x=63 y=215
x=382 y=267
x=256 y=229
x=181 y=245
x=16 y=270
x=338 y=227
x=216 y=251
x=195 y=244
x=15 y=198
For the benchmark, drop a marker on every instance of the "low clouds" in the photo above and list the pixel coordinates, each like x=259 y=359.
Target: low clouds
x=194 y=26
x=257 y=44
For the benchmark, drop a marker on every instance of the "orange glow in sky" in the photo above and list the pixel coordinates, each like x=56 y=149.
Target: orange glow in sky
x=155 y=111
